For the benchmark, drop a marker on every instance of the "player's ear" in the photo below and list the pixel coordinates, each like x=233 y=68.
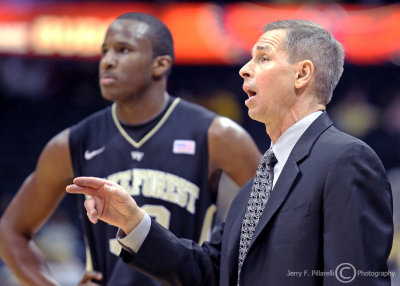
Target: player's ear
x=161 y=65
x=305 y=70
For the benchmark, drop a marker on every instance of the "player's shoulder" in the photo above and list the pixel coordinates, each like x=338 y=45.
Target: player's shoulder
x=92 y=126
x=219 y=126
x=193 y=108
x=93 y=119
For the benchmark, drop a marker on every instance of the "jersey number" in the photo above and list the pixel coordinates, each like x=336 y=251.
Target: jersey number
x=160 y=213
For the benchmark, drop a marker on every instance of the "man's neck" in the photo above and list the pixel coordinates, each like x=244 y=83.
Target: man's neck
x=142 y=109
x=274 y=131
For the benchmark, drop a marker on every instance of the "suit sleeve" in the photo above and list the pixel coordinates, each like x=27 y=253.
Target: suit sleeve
x=174 y=261
x=358 y=219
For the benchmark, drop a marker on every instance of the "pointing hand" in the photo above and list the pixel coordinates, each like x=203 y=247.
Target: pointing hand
x=108 y=202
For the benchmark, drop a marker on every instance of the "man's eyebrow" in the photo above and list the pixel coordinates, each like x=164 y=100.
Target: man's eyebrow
x=124 y=43
x=264 y=48
x=120 y=43
x=261 y=48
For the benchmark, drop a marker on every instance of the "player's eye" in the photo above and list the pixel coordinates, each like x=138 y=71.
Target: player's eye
x=123 y=50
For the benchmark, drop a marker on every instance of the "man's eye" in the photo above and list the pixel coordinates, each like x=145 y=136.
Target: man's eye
x=123 y=50
x=264 y=59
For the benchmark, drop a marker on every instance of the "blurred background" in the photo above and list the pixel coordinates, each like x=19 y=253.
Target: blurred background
x=49 y=81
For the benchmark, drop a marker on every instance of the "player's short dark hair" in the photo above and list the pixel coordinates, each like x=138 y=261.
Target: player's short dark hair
x=158 y=33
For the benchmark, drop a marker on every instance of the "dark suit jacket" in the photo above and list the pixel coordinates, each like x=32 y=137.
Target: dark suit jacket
x=328 y=219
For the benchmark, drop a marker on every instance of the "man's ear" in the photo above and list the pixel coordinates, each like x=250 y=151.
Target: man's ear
x=161 y=65
x=305 y=70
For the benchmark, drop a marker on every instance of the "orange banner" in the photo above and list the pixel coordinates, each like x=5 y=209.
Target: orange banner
x=204 y=33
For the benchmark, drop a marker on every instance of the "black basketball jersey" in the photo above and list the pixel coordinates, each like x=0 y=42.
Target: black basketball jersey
x=166 y=172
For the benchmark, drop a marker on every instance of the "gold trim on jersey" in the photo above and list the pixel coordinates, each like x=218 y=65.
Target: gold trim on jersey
x=150 y=133
x=89 y=263
x=207 y=224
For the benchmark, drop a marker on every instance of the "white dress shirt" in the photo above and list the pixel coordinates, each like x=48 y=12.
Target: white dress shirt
x=285 y=143
x=282 y=149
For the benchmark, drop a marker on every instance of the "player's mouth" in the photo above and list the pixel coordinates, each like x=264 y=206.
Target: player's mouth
x=107 y=79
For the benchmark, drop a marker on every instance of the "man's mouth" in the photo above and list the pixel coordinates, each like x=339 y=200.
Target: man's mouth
x=107 y=79
x=250 y=92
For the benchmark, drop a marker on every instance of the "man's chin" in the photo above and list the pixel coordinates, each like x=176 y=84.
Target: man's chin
x=110 y=96
x=253 y=115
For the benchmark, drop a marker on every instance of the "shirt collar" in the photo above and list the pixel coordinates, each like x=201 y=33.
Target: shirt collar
x=285 y=143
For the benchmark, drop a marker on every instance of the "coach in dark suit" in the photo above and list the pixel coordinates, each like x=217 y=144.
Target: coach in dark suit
x=319 y=210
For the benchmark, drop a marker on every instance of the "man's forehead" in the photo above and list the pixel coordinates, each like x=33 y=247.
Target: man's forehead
x=134 y=28
x=270 y=40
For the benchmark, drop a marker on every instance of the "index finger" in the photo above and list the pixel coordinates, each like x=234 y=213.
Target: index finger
x=75 y=189
x=92 y=182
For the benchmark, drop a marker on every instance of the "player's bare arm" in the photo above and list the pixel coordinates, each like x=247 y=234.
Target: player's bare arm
x=35 y=202
x=232 y=150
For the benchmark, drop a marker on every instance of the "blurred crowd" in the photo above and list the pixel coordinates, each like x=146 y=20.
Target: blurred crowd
x=40 y=97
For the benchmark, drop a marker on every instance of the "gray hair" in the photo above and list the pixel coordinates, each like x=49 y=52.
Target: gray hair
x=306 y=40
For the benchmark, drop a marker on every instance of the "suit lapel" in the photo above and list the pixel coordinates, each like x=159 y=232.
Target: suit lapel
x=290 y=171
x=234 y=220
x=277 y=197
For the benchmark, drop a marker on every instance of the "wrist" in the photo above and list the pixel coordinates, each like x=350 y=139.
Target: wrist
x=133 y=221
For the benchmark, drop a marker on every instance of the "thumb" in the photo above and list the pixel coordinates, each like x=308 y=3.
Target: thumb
x=91 y=210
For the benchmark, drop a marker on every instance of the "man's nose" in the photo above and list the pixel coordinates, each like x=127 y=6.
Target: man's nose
x=246 y=71
x=108 y=60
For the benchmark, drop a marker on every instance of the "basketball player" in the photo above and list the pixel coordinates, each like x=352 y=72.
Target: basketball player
x=166 y=152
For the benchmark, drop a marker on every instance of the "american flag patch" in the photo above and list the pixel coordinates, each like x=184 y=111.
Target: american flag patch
x=184 y=147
